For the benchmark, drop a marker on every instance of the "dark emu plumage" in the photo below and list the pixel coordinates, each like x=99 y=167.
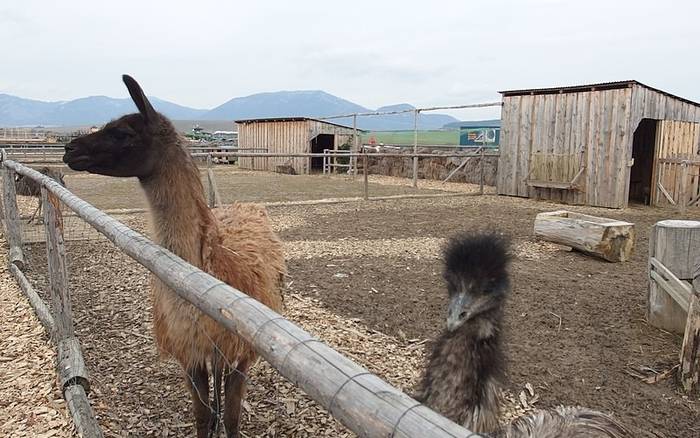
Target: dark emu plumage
x=25 y=186
x=466 y=369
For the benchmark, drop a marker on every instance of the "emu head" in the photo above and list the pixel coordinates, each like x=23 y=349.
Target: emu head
x=476 y=275
x=125 y=147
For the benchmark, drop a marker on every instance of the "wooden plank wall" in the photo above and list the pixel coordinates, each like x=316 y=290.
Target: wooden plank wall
x=278 y=137
x=550 y=136
x=676 y=140
x=651 y=104
x=285 y=137
x=565 y=130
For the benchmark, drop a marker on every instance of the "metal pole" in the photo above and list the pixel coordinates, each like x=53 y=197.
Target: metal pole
x=415 y=148
x=481 y=165
x=355 y=142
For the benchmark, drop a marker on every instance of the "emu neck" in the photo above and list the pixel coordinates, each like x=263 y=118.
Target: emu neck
x=179 y=212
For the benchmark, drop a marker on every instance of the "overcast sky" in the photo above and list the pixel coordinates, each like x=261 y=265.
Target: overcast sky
x=202 y=53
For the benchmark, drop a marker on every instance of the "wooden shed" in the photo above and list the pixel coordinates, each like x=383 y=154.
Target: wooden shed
x=601 y=145
x=290 y=135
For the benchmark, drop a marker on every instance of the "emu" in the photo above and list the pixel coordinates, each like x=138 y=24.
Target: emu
x=465 y=370
x=235 y=244
x=28 y=187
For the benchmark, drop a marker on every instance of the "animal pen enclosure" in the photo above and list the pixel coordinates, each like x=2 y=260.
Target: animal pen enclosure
x=357 y=398
x=600 y=145
x=371 y=289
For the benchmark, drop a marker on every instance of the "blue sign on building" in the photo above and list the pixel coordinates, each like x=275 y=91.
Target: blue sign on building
x=474 y=136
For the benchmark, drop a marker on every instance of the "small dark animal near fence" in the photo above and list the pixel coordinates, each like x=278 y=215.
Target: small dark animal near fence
x=28 y=187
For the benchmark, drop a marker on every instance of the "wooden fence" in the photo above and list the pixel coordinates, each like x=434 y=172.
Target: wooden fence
x=673 y=302
x=358 y=399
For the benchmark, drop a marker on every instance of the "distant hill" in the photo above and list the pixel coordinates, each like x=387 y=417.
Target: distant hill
x=93 y=110
x=494 y=123
x=97 y=110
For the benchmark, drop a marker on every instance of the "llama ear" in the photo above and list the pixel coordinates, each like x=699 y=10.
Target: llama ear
x=139 y=98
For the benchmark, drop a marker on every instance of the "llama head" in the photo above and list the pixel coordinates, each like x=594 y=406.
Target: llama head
x=128 y=146
x=476 y=275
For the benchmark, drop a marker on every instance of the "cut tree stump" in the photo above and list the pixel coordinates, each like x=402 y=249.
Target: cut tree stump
x=674 y=245
x=609 y=239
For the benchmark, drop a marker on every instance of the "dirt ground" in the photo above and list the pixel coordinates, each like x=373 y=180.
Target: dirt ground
x=365 y=277
x=237 y=185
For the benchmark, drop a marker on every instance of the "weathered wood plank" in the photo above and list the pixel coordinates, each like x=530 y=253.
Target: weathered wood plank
x=58 y=273
x=40 y=308
x=12 y=220
x=361 y=401
x=675 y=244
x=608 y=239
x=690 y=350
x=679 y=290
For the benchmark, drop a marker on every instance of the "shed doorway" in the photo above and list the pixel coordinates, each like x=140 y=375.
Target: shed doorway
x=318 y=144
x=643 y=150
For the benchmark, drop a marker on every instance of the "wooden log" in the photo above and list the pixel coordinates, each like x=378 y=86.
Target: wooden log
x=70 y=364
x=361 y=401
x=82 y=413
x=58 y=274
x=675 y=244
x=40 y=308
x=13 y=231
x=608 y=239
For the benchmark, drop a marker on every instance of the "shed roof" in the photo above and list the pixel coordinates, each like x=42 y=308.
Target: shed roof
x=591 y=87
x=292 y=119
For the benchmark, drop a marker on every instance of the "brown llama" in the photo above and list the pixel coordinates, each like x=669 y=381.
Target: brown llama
x=465 y=371
x=235 y=244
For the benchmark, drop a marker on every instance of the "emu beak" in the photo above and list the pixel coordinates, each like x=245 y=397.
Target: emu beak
x=458 y=310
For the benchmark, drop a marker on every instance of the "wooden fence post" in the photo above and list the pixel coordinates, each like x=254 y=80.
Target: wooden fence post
x=12 y=222
x=58 y=273
x=365 y=172
x=72 y=372
x=675 y=244
x=481 y=167
x=415 y=148
x=690 y=351
x=214 y=198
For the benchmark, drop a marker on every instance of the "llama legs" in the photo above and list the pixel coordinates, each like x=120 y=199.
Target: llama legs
x=198 y=383
x=234 y=390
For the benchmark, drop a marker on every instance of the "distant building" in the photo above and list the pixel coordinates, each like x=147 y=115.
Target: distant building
x=290 y=135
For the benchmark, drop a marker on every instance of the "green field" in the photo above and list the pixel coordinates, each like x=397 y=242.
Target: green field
x=406 y=137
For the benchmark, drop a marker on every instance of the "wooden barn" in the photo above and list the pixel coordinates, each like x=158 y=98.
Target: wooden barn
x=601 y=145
x=291 y=135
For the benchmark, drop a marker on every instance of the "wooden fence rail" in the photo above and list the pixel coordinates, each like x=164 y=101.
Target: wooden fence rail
x=358 y=399
x=58 y=322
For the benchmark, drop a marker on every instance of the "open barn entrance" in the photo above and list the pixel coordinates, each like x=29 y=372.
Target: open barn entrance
x=318 y=144
x=643 y=155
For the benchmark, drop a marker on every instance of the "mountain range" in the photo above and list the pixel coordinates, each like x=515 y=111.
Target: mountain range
x=97 y=110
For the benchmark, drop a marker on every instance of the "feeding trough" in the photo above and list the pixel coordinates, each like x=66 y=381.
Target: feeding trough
x=609 y=239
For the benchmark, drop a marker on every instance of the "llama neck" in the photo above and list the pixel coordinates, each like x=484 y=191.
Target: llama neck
x=179 y=211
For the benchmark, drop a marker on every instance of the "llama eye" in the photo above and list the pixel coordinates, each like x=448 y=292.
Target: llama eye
x=119 y=134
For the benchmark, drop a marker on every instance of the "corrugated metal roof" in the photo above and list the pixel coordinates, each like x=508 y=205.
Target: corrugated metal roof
x=591 y=87
x=291 y=119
